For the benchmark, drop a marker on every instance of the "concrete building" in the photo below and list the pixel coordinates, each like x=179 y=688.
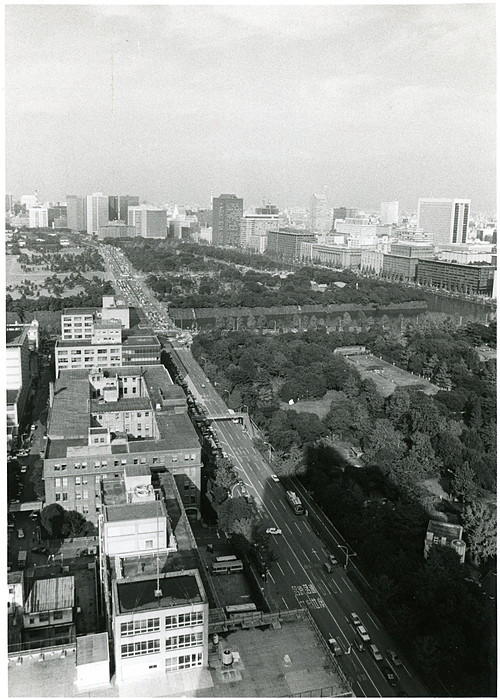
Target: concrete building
x=103 y=421
x=57 y=215
x=403 y=259
x=118 y=206
x=18 y=374
x=9 y=203
x=389 y=213
x=51 y=603
x=78 y=323
x=160 y=624
x=468 y=279
x=15 y=588
x=445 y=534
x=38 y=217
x=97 y=212
x=286 y=243
x=466 y=253
x=115 y=308
x=76 y=212
x=321 y=217
x=254 y=229
x=338 y=256
x=148 y=221
x=227 y=214
x=116 y=229
x=359 y=231
x=372 y=261
x=141 y=349
x=29 y=201
x=445 y=220
x=92 y=663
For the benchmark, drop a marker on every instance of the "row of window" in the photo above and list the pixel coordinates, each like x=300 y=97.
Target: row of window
x=185 y=640
x=129 y=650
x=78 y=352
x=117 y=415
x=141 y=648
x=123 y=462
x=137 y=626
x=183 y=662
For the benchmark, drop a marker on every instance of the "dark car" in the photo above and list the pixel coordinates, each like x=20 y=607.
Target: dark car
x=40 y=549
x=389 y=674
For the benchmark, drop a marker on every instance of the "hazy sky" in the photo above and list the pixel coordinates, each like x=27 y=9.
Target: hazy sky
x=178 y=103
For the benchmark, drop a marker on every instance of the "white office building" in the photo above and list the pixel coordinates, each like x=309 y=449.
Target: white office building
x=444 y=220
x=38 y=217
x=97 y=212
x=321 y=215
x=254 y=229
x=389 y=213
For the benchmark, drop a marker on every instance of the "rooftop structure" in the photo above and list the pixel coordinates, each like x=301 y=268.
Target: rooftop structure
x=51 y=594
x=445 y=534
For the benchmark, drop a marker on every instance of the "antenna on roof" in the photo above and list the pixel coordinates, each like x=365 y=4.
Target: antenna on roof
x=158 y=592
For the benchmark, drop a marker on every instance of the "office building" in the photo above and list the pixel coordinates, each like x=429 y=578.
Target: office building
x=285 y=243
x=116 y=229
x=465 y=254
x=445 y=534
x=372 y=261
x=97 y=212
x=38 y=217
x=359 y=231
x=403 y=258
x=296 y=217
x=338 y=256
x=342 y=212
x=320 y=216
x=51 y=603
x=118 y=207
x=57 y=215
x=227 y=214
x=389 y=213
x=444 y=220
x=467 y=279
x=148 y=221
x=76 y=212
x=254 y=229
x=104 y=421
x=29 y=200
x=9 y=203
x=17 y=372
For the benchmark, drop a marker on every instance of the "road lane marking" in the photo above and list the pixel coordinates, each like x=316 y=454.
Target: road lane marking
x=305 y=554
x=270 y=575
x=286 y=525
x=373 y=621
x=356 y=655
x=291 y=566
x=407 y=669
x=282 y=573
x=284 y=602
x=338 y=588
x=316 y=554
x=347 y=584
x=297 y=525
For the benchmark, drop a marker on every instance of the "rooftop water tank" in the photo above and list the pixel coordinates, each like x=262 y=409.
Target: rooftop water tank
x=227 y=657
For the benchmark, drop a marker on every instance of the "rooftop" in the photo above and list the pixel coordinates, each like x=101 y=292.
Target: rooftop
x=177 y=431
x=79 y=311
x=92 y=648
x=120 y=405
x=140 y=340
x=449 y=531
x=135 y=510
x=49 y=594
x=16 y=337
x=70 y=416
x=139 y=593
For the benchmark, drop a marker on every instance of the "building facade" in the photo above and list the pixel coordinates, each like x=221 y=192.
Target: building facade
x=445 y=220
x=97 y=212
x=338 y=256
x=76 y=212
x=389 y=213
x=286 y=243
x=403 y=258
x=18 y=375
x=227 y=214
x=148 y=221
x=116 y=229
x=321 y=218
x=118 y=206
x=468 y=279
x=38 y=217
x=254 y=229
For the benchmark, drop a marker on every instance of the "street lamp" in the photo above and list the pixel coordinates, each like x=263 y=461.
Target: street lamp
x=348 y=555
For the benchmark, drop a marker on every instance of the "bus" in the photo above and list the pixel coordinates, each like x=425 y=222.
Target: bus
x=221 y=559
x=21 y=559
x=295 y=502
x=222 y=567
x=237 y=609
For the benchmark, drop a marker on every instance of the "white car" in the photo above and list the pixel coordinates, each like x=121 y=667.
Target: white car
x=275 y=478
x=273 y=530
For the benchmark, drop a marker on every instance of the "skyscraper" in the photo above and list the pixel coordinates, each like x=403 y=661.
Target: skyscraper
x=9 y=202
x=321 y=218
x=38 y=217
x=255 y=227
x=389 y=213
x=445 y=220
x=97 y=212
x=76 y=212
x=227 y=213
x=148 y=221
x=118 y=206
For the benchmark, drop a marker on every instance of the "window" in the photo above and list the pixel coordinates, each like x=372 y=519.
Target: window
x=58 y=497
x=174 y=459
x=149 y=543
x=58 y=482
x=141 y=648
x=187 y=619
x=43 y=617
x=136 y=461
x=57 y=467
x=84 y=480
x=78 y=495
x=58 y=615
x=116 y=462
x=85 y=494
x=193 y=457
x=184 y=640
x=63 y=467
x=64 y=482
x=65 y=496
x=77 y=466
x=84 y=464
x=124 y=462
x=78 y=480
x=85 y=509
x=186 y=457
x=132 y=628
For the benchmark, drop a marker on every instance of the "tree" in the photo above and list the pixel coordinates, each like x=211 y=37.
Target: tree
x=74 y=524
x=52 y=518
x=225 y=475
x=480 y=525
x=238 y=516
x=287 y=465
x=463 y=484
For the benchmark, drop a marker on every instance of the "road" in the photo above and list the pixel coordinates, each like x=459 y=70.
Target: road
x=299 y=576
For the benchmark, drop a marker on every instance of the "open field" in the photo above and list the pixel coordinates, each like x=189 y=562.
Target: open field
x=15 y=276
x=318 y=406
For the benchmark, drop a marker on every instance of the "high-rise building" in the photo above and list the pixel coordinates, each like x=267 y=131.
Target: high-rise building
x=76 y=212
x=58 y=215
x=97 y=212
x=118 y=206
x=29 y=200
x=445 y=220
x=227 y=213
x=9 y=202
x=148 y=221
x=254 y=230
x=321 y=218
x=389 y=213
x=286 y=242
x=38 y=217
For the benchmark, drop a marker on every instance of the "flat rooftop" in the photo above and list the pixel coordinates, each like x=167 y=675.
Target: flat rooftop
x=16 y=337
x=92 y=648
x=139 y=593
x=141 y=340
x=79 y=311
x=135 y=510
x=176 y=430
x=70 y=416
x=122 y=404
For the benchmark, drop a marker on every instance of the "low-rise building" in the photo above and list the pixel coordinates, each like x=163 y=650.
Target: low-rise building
x=445 y=534
x=286 y=243
x=338 y=256
x=403 y=258
x=51 y=602
x=18 y=373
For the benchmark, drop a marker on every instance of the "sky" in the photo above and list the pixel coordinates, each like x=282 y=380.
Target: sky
x=179 y=103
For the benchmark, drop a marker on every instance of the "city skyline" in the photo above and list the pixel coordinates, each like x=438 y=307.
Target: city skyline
x=182 y=103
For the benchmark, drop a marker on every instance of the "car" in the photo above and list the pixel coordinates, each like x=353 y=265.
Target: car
x=24 y=468
x=333 y=560
x=377 y=655
x=275 y=478
x=355 y=619
x=390 y=675
x=40 y=549
x=394 y=658
x=363 y=633
x=20 y=533
x=335 y=646
x=34 y=515
x=273 y=530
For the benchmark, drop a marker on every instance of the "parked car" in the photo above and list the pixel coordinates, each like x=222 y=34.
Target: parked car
x=20 y=533
x=390 y=676
x=24 y=468
x=363 y=633
x=394 y=658
x=335 y=646
x=377 y=655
